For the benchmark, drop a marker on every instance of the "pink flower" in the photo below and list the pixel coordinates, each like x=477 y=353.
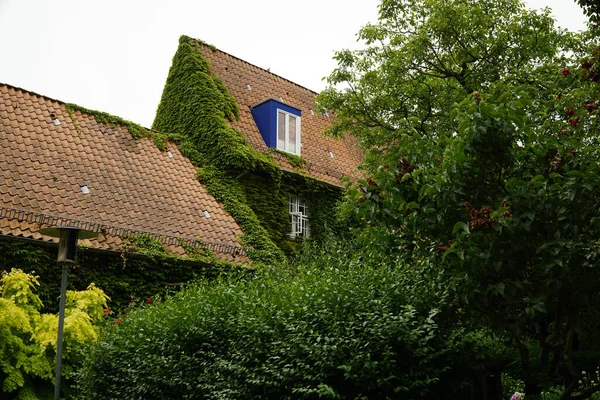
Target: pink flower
x=590 y=106
x=118 y=321
x=565 y=71
x=106 y=311
x=574 y=122
x=149 y=300
x=586 y=65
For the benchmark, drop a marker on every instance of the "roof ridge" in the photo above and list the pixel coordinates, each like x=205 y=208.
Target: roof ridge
x=31 y=92
x=82 y=109
x=214 y=48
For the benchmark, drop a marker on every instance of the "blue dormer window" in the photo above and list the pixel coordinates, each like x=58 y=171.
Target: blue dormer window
x=279 y=125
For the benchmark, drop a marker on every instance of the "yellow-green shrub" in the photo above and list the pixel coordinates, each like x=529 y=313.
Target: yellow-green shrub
x=28 y=338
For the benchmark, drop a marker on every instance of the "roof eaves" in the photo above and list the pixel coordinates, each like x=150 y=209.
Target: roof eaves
x=117 y=231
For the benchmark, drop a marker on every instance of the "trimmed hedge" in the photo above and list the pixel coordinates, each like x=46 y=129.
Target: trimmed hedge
x=324 y=333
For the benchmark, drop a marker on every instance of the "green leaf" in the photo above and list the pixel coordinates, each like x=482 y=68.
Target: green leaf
x=503 y=97
x=460 y=225
x=499 y=288
x=412 y=205
x=541 y=307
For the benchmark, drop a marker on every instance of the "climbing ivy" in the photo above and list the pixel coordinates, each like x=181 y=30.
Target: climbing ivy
x=136 y=131
x=150 y=247
x=144 y=244
x=251 y=184
x=196 y=105
x=143 y=269
x=229 y=191
x=294 y=160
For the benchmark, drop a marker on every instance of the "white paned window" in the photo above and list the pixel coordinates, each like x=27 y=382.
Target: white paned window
x=299 y=216
x=288 y=132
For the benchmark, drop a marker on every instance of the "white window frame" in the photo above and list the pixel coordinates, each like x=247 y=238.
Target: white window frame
x=287 y=132
x=299 y=217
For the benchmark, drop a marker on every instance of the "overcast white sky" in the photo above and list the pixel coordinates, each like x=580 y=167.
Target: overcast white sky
x=114 y=55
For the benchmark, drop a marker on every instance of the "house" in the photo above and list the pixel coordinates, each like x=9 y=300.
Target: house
x=270 y=136
x=60 y=166
x=243 y=173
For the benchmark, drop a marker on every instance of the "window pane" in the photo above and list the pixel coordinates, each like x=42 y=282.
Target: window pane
x=298 y=217
x=293 y=204
x=295 y=225
x=292 y=136
x=281 y=131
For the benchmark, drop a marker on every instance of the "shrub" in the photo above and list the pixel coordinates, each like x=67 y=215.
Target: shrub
x=329 y=332
x=28 y=338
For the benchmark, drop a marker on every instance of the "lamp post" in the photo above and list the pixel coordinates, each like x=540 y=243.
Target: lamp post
x=67 y=250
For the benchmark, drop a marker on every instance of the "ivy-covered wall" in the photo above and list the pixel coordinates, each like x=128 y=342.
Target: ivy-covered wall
x=268 y=198
x=196 y=106
x=144 y=269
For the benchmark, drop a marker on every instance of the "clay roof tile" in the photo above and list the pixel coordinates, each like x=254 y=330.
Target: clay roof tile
x=132 y=184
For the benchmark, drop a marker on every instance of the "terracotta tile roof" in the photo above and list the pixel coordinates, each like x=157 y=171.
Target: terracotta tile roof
x=237 y=74
x=133 y=186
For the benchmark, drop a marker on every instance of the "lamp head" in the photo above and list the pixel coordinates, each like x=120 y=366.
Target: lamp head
x=68 y=236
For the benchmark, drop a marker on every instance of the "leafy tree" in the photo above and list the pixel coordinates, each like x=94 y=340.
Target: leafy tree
x=591 y=8
x=481 y=156
x=425 y=56
x=28 y=338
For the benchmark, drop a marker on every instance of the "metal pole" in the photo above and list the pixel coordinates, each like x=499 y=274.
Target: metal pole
x=61 y=322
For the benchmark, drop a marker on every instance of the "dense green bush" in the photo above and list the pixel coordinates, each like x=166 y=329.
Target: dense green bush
x=324 y=331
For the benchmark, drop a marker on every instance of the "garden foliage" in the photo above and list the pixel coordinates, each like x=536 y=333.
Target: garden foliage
x=479 y=120
x=476 y=233
x=28 y=338
x=334 y=329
